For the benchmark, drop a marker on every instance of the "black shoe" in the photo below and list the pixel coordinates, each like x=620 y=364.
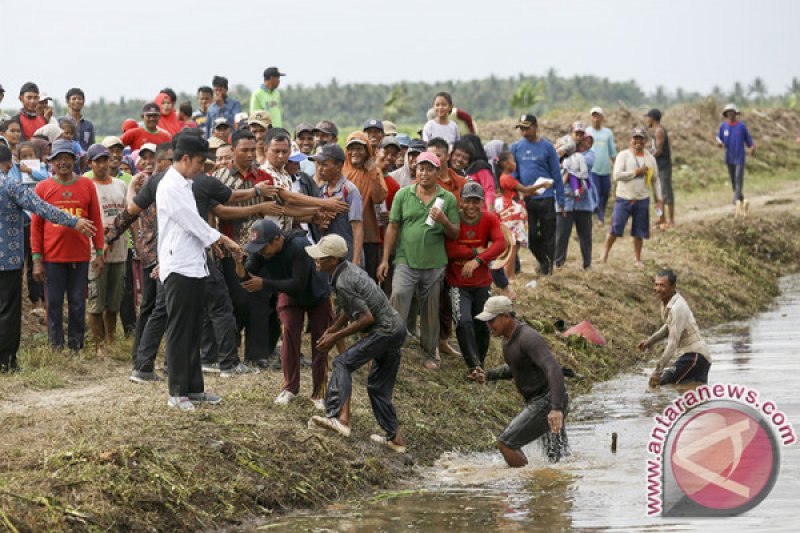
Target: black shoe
x=275 y=363
x=260 y=363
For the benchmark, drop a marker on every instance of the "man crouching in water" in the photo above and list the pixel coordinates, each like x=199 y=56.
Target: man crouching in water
x=538 y=377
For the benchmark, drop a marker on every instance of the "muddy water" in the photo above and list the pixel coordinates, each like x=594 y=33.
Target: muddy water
x=595 y=489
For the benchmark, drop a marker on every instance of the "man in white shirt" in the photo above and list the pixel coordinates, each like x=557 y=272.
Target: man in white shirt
x=183 y=237
x=682 y=335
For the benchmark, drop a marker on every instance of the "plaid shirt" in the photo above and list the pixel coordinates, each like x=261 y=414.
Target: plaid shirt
x=236 y=181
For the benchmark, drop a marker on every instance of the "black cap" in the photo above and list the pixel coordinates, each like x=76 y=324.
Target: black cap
x=273 y=72
x=373 y=123
x=327 y=127
x=417 y=146
x=192 y=145
x=329 y=151
x=150 y=108
x=262 y=232
x=303 y=127
x=526 y=121
x=654 y=113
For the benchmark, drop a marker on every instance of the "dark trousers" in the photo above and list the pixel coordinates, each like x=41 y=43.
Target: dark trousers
x=127 y=309
x=582 y=220
x=690 y=366
x=473 y=335
x=152 y=332
x=500 y=279
x=542 y=231
x=220 y=339
x=384 y=351
x=371 y=258
x=35 y=289
x=736 y=173
x=291 y=315
x=148 y=303
x=71 y=279
x=10 y=317
x=185 y=298
x=445 y=314
x=603 y=187
x=254 y=314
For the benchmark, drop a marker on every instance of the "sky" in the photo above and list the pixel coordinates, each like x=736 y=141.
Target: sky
x=133 y=49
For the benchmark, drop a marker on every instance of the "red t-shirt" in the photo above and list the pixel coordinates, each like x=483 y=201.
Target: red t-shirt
x=30 y=125
x=478 y=235
x=60 y=244
x=136 y=137
x=455 y=184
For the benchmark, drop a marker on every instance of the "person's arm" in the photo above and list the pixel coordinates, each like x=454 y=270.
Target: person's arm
x=379 y=190
x=448 y=217
x=748 y=140
x=96 y=216
x=230 y=212
x=498 y=243
x=660 y=334
x=501 y=372
x=254 y=102
x=330 y=338
x=358 y=240
x=389 y=241
x=677 y=321
x=621 y=173
x=555 y=175
x=466 y=118
x=301 y=200
x=513 y=151
x=659 y=142
x=122 y=222
x=656 y=183
x=426 y=132
x=719 y=140
x=300 y=214
x=457 y=251
x=25 y=198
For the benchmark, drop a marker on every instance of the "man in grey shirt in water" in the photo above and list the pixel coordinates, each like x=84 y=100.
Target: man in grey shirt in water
x=538 y=377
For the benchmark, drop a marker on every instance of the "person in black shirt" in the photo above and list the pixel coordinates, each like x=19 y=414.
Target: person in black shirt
x=538 y=377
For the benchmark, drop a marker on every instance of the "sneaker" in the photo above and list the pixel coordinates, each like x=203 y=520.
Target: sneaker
x=211 y=368
x=205 y=397
x=238 y=370
x=331 y=424
x=383 y=441
x=319 y=403
x=284 y=397
x=183 y=403
x=261 y=363
x=275 y=364
x=140 y=376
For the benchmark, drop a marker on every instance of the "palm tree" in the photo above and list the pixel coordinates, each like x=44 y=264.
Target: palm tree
x=759 y=89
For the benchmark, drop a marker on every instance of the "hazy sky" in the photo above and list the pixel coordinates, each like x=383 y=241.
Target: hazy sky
x=132 y=49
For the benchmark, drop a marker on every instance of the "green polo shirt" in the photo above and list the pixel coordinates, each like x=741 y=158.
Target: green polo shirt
x=419 y=245
x=266 y=100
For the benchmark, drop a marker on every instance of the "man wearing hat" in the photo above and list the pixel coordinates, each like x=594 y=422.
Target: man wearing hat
x=278 y=263
x=663 y=153
x=636 y=173
x=14 y=197
x=422 y=215
x=407 y=174
x=106 y=287
x=150 y=132
x=537 y=158
x=260 y=122
x=222 y=129
x=538 y=378
x=363 y=310
x=60 y=256
x=304 y=139
x=375 y=133
x=325 y=132
x=268 y=98
x=734 y=136
x=479 y=242
x=183 y=236
x=605 y=152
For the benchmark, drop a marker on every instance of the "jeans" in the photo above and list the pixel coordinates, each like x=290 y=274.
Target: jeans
x=71 y=279
x=542 y=231
x=736 y=173
x=473 y=335
x=603 y=187
x=426 y=285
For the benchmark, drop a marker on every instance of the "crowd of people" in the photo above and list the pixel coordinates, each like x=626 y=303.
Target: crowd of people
x=228 y=235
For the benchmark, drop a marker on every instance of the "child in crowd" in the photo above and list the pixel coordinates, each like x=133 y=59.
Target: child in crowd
x=441 y=125
x=511 y=208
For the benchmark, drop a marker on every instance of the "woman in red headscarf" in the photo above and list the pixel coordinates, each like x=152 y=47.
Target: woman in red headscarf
x=169 y=119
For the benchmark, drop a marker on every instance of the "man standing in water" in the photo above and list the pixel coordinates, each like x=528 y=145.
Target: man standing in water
x=539 y=379
x=683 y=337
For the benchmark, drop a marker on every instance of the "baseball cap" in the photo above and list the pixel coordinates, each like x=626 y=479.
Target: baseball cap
x=429 y=158
x=403 y=140
x=329 y=151
x=496 y=305
x=526 y=121
x=150 y=108
x=578 y=126
x=373 y=123
x=654 y=114
x=271 y=72
x=262 y=232
x=61 y=146
x=598 y=110
x=240 y=117
x=730 y=107
x=215 y=142
x=297 y=157
x=389 y=128
x=262 y=118
x=389 y=141
x=357 y=140
x=417 y=146
x=148 y=147
x=112 y=140
x=95 y=151
x=331 y=245
x=44 y=96
x=221 y=121
x=638 y=132
x=327 y=127
x=471 y=189
x=302 y=128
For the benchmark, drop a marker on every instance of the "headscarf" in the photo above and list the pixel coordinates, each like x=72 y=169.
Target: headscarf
x=168 y=122
x=478 y=160
x=403 y=174
x=51 y=131
x=366 y=179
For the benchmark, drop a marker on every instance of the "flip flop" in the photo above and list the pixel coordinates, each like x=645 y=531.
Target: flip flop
x=331 y=424
x=382 y=440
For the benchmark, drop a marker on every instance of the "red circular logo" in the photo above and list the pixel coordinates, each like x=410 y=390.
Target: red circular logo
x=724 y=458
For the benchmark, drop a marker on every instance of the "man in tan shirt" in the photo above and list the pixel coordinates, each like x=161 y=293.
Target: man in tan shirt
x=682 y=335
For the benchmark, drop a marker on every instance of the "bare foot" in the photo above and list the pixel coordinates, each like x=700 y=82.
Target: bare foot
x=638 y=264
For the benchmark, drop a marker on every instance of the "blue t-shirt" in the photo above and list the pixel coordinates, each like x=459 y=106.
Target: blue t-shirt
x=734 y=136
x=604 y=150
x=538 y=160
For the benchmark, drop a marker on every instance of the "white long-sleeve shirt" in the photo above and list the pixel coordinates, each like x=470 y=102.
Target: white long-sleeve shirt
x=629 y=185
x=182 y=234
x=680 y=330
